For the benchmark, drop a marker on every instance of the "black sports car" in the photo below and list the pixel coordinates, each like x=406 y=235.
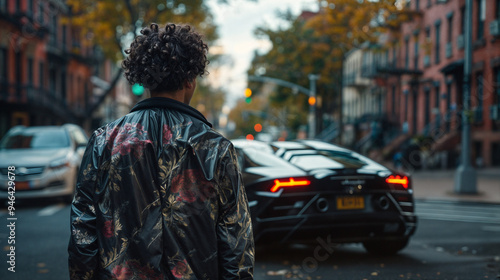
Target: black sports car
x=301 y=191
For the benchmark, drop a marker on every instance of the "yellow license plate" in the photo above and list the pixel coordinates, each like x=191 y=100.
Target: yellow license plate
x=350 y=202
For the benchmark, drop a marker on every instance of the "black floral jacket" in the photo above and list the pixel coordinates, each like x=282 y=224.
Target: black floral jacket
x=160 y=196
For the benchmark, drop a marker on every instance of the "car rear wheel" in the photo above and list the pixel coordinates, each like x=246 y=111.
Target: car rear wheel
x=385 y=247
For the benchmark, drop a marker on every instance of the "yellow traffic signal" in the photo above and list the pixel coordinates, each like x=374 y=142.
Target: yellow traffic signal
x=312 y=100
x=248 y=92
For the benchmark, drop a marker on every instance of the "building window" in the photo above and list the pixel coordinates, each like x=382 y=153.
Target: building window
x=427 y=47
x=41 y=75
x=436 y=100
x=429 y=3
x=449 y=36
x=437 y=88
x=63 y=88
x=497 y=9
x=479 y=90
x=393 y=99
x=415 y=110
x=52 y=81
x=18 y=62
x=481 y=16
x=407 y=51
x=394 y=58
x=30 y=8
x=3 y=65
x=438 y=42
x=64 y=36
x=3 y=5
x=417 y=5
x=462 y=21
x=53 y=30
x=406 y=106
x=30 y=71
x=417 y=51
x=497 y=85
x=479 y=97
x=18 y=6
x=41 y=12
x=427 y=107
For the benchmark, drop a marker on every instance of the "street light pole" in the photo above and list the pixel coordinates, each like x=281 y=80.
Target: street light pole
x=312 y=107
x=465 y=176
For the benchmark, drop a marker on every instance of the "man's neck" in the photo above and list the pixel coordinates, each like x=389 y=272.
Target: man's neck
x=177 y=95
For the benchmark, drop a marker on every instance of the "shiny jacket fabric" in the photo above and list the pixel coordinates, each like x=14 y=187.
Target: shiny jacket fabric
x=160 y=196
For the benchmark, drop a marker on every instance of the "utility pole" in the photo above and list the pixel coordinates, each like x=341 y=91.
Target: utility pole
x=465 y=176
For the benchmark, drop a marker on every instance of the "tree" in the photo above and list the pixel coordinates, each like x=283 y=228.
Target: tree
x=317 y=44
x=208 y=101
x=291 y=58
x=112 y=24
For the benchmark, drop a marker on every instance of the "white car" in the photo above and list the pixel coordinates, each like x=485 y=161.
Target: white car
x=44 y=161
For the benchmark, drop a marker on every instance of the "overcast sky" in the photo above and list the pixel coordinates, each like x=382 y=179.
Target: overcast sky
x=237 y=22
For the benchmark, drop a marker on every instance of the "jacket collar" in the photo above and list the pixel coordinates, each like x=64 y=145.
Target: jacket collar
x=168 y=103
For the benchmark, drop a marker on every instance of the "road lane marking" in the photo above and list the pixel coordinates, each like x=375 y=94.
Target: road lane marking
x=50 y=210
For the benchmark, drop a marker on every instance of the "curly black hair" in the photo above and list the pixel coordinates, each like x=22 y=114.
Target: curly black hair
x=162 y=60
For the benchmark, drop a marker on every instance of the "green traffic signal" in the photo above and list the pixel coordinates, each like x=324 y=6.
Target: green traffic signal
x=137 y=89
x=248 y=100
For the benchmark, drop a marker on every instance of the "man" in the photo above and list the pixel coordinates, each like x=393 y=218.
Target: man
x=159 y=195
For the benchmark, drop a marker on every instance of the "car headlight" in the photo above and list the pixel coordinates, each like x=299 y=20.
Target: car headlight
x=59 y=163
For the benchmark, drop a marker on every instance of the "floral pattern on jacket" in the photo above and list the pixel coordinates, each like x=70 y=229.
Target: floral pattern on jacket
x=160 y=196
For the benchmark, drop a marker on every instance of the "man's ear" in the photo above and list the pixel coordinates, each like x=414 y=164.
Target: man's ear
x=189 y=84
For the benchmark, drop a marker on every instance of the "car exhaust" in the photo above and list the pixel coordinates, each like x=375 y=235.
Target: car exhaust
x=322 y=205
x=382 y=202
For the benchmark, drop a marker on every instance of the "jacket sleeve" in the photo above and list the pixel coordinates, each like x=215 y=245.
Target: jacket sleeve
x=82 y=246
x=234 y=227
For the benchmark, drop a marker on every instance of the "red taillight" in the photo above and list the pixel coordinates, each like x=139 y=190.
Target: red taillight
x=401 y=180
x=288 y=183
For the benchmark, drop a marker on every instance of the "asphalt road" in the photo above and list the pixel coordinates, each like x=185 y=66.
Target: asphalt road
x=453 y=241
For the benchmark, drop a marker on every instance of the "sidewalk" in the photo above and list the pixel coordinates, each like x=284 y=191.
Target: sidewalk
x=439 y=185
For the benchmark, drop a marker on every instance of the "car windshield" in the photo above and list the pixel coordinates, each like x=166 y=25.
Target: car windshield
x=36 y=139
x=257 y=158
x=352 y=160
x=310 y=159
x=347 y=160
x=311 y=162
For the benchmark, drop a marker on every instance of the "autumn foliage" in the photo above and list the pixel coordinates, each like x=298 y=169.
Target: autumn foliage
x=316 y=43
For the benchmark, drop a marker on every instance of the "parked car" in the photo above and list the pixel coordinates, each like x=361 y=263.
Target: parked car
x=338 y=194
x=46 y=160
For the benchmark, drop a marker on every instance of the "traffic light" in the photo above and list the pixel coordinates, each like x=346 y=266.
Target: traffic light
x=137 y=89
x=312 y=100
x=257 y=127
x=248 y=95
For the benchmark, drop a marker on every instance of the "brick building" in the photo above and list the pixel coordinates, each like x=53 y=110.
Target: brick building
x=419 y=74
x=49 y=73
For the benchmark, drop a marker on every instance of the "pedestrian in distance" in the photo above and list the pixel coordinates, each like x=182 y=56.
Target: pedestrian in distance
x=159 y=194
